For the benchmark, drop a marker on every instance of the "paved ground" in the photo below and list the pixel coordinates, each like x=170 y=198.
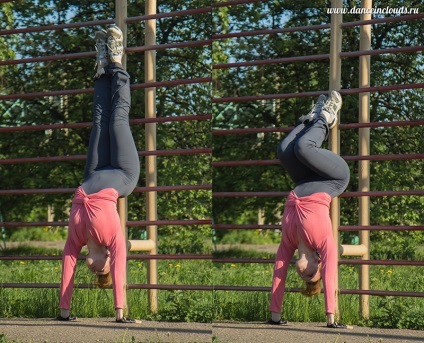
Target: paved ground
x=90 y=330
x=107 y=331
x=309 y=333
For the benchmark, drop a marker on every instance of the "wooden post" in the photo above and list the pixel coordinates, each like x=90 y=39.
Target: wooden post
x=364 y=150
x=120 y=21
x=334 y=144
x=151 y=172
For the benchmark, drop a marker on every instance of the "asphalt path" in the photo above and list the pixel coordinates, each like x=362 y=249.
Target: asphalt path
x=89 y=330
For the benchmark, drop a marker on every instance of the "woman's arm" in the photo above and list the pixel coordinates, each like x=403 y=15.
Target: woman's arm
x=282 y=260
x=69 y=261
x=118 y=265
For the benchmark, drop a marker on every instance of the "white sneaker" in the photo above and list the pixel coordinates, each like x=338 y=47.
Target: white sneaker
x=315 y=110
x=101 y=53
x=331 y=107
x=115 y=44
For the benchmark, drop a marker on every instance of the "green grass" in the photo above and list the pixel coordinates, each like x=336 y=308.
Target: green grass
x=202 y=306
x=395 y=312
x=43 y=303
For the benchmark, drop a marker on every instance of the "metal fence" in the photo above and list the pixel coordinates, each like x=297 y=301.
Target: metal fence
x=335 y=58
x=150 y=153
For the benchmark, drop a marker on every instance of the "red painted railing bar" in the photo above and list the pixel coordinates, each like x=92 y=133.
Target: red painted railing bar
x=316 y=93
x=45 y=94
x=91 y=90
x=382 y=124
x=342 y=291
x=170 y=257
x=248 y=194
x=343 y=195
x=273 y=61
x=383 y=262
x=343 y=261
x=381 y=228
x=270 y=31
x=245 y=163
x=249 y=288
x=169 y=222
x=172 y=287
x=130 y=286
x=26 y=224
x=174 y=152
x=92 y=54
x=89 y=124
x=129 y=257
x=266 y=97
x=35 y=258
x=178 y=45
x=382 y=88
x=37 y=191
x=207 y=117
x=129 y=223
x=347 y=158
x=136 y=190
x=42 y=159
x=170 y=14
x=172 y=83
x=381 y=51
x=341 y=228
x=251 y=130
x=57 y=27
x=245 y=260
x=382 y=20
x=234 y=3
x=48 y=58
x=341 y=127
x=172 y=188
x=245 y=227
x=390 y=157
x=382 y=193
x=318 y=57
x=216 y=100
x=104 y=22
x=382 y=293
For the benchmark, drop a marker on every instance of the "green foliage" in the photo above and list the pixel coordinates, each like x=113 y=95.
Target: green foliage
x=94 y=302
x=298 y=77
x=184 y=100
x=38 y=234
x=251 y=237
x=390 y=313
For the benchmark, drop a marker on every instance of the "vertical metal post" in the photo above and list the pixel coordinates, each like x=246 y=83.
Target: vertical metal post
x=151 y=178
x=120 y=21
x=334 y=144
x=364 y=149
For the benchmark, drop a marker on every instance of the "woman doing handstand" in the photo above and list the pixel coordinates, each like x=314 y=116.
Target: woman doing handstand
x=319 y=175
x=112 y=170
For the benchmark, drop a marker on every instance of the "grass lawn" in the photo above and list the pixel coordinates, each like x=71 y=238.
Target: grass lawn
x=204 y=306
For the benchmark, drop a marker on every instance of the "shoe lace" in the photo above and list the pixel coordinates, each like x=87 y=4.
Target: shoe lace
x=115 y=46
x=330 y=105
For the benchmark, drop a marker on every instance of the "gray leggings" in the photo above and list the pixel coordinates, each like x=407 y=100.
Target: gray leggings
x=112 y=160
x=312 y=168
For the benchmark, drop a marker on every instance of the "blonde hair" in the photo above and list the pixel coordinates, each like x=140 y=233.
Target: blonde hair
x=104 y=281
x=312 y=288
